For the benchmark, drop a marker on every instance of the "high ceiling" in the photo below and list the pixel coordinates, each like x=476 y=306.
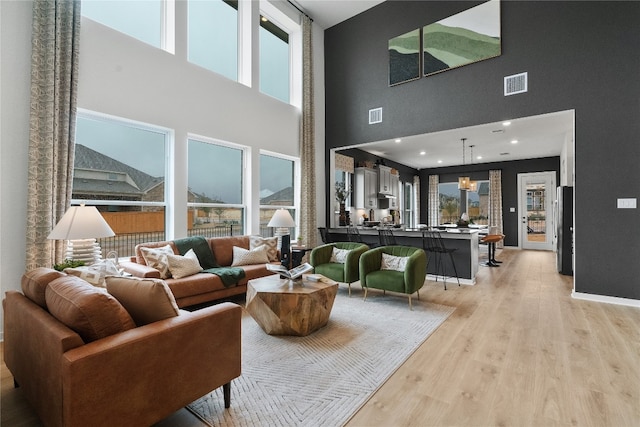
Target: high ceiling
x=328 y=13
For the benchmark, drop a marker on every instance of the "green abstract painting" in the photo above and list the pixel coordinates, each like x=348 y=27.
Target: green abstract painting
x=404 y=58
x=461 y=39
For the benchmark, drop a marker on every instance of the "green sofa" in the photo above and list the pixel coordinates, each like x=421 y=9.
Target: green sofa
x=407 y=282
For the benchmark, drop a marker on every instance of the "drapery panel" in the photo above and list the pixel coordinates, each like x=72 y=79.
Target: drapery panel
x=308 y=227
x=54 y=82
x=416 y=194
x=495 y=202
x=434 y=201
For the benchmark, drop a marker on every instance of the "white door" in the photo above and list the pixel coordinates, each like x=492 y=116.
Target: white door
x=536 y=197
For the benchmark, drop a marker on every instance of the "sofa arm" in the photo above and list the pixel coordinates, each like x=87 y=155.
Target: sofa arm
x=352 y=263
x=139 y=270
x=416 y=271
x=369 y=261
x=142 y=375
x=321 y=254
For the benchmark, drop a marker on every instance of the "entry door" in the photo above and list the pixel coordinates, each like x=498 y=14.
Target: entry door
x=536 y=196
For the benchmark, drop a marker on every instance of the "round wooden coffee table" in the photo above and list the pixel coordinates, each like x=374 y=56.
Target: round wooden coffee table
x=287 y=307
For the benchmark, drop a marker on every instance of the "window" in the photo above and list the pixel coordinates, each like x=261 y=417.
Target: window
x=274 y=60
x=140 y=19
x=213 y=36
x=407 y=205
x=119 y=167
x=477 y=203
x=277 y=188
x=215 y=196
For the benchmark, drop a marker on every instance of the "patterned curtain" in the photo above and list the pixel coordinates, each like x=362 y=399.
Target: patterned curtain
x=308 y=224
x=416 y=197
x=434 y=201
x=495 y=202
x=54 y=82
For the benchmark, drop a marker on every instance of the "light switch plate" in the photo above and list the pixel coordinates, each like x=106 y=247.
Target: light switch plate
x=631 y=203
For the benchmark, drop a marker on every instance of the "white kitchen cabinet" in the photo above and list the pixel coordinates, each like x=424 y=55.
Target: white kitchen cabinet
x=366 y=188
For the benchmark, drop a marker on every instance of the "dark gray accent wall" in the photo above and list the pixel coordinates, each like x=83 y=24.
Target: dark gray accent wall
x=579 y=55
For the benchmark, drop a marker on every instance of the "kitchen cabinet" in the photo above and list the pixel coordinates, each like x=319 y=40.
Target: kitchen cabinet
x=395 y=191
x=366 y=188
x=384 y=179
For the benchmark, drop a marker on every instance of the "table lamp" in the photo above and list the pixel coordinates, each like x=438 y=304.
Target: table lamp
x=282 y=221
x=80 y=226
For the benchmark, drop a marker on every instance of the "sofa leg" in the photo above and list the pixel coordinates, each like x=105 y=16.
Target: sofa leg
x=365 y=294
x=349 y=285
x=226 y=392
x=410 y=305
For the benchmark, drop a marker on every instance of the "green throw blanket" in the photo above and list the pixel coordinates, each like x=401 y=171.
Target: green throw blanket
x=229 y=275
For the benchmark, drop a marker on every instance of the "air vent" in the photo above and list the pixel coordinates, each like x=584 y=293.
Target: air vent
x=514 y=84
x=375 y=115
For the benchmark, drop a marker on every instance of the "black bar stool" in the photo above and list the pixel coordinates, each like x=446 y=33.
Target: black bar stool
x=433 y=243
x=386 y=237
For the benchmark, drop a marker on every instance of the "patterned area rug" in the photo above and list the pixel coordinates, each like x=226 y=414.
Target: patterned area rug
x=325 y=377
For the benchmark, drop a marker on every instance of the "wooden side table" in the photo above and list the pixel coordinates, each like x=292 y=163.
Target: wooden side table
x=297 y=253
x=287 y=307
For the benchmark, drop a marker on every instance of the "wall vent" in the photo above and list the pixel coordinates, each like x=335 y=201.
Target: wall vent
x=375 y=115
x=516 y=83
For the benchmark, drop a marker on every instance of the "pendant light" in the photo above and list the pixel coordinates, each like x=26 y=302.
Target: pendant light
x=473 y=185
x=463 y=181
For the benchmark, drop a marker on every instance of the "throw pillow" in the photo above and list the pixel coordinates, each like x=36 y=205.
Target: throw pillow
x=270 y=242
x=183 y=266
x=391 y=262
x=90 y=311
x=146 y=300
x=242 y=256
x=157 y=258
x=95 y=273
x=35 y=282
x=339 y=255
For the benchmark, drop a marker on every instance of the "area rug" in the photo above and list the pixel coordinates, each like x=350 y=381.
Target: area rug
x=324 y=378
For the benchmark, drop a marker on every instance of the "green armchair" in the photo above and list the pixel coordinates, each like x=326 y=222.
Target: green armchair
x=346 y=272
x=407 y=282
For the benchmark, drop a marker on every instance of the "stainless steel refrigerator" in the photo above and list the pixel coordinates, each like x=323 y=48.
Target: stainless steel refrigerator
x=564 y=229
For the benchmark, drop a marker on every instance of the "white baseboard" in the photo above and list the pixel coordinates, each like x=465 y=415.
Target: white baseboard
x=606 y=299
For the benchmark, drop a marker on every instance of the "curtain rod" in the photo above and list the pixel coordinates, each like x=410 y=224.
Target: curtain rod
x=299 y=9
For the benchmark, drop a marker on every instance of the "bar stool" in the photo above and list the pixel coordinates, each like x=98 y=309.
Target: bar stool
x=491 y=239
x=433 y=243
x=386 y=237
x=353 y=235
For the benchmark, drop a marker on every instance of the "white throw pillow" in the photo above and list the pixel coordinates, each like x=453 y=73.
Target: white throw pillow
x=390 y=262
x=243 y=256
x=183 y=266
x=270 y=242
x=339 y=255
x=95 y=273
x=157 y=258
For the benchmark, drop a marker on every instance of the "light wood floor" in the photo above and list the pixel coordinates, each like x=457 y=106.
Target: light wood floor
x=518 y=351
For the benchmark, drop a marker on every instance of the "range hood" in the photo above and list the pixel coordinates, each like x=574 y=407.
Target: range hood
x=386 y=196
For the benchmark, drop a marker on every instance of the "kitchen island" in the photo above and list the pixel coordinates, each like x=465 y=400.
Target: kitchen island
x=465 y=240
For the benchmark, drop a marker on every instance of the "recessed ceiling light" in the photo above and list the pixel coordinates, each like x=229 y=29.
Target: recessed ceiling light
x=479 y=158
x=398 y=140
x=264 y=19
x=422 y=153
x=439 y=161
x=497 y=131
x=507 y=123
x=514 y=141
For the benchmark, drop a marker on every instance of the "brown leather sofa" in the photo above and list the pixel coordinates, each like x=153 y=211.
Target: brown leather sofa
x=135 y=377
x=200 y=287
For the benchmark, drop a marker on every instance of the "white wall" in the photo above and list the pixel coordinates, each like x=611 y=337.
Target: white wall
x=124 y=77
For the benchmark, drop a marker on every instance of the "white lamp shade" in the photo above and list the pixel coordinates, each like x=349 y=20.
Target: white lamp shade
x=81 y=222
x=281 y=219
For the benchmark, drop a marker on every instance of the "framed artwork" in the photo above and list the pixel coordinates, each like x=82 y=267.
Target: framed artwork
x=404 y=58
x=464 y=38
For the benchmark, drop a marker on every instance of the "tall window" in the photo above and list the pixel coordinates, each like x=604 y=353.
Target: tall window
x=274 y=60
x=140 y=19
x=407 y=204
x=120 y=168
x=477 y=203
x=215 y=195
x=213 y=36
x=277 y=188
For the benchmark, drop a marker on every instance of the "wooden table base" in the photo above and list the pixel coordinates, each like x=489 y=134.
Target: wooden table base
x=285 y=307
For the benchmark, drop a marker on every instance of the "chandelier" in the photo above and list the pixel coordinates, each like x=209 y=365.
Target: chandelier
x=464 y=182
